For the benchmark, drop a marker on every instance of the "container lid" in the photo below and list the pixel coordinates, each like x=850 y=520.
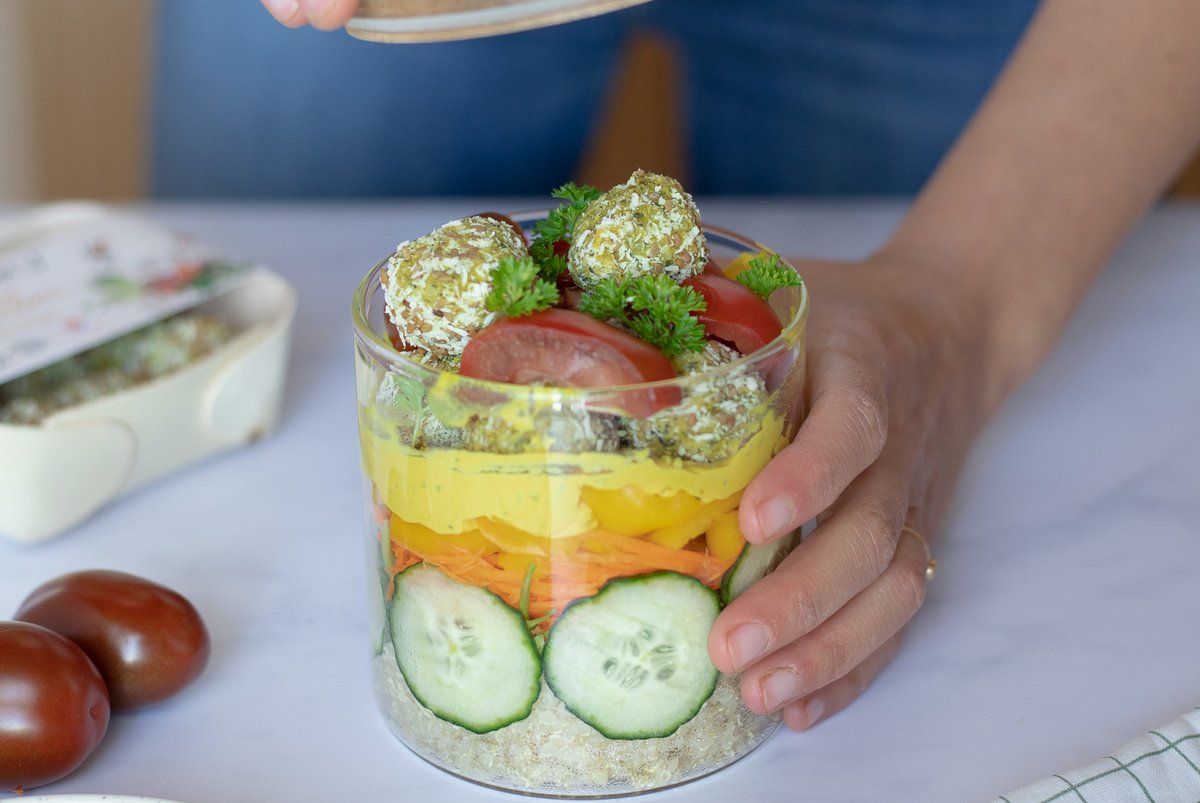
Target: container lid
x=75 y=275
x=443 y=20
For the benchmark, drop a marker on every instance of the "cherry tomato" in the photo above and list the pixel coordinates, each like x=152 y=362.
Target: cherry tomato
x=568 y=292
x=711 y=268
x=53 y=706
x=734 y=313
x=564 y=348
x=147 y=641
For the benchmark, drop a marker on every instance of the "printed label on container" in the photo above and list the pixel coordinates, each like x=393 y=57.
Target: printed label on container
x=65 y=294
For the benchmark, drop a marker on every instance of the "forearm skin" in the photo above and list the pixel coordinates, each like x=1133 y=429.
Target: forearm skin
x=1095 y=114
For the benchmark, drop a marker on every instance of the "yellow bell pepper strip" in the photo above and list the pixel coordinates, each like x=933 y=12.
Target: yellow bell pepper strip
x=724 y=537
x=632 y=511
x=677 y=536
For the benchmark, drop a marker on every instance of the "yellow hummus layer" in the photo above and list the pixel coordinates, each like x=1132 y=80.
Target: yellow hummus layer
x=540 y=493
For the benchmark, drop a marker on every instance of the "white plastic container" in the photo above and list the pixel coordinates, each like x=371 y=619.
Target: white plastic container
x=57 y=473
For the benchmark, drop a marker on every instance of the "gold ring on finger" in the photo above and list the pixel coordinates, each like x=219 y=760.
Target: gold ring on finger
x=930 y=562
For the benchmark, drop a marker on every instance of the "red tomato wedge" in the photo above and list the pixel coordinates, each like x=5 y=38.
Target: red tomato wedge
x=565 y=348
x=734 y=313
x=393 y=334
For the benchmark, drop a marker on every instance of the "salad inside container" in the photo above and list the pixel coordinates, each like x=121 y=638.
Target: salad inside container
x=558 y=415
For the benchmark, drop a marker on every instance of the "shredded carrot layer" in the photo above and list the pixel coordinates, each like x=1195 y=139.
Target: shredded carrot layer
x=565 y=577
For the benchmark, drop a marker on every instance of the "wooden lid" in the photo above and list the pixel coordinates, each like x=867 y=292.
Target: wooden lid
x=443 y=20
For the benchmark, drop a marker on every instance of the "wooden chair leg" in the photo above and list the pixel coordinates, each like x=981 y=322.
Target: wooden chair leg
x=640 y=125
x=90 y=75
x=1188 y=185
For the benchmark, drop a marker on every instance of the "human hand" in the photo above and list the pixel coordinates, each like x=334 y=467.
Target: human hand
x=895 y=392
x=325 y=15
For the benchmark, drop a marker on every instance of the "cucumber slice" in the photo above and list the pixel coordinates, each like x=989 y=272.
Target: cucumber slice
x=754 y=563
x=632 y=661
x=465 y=654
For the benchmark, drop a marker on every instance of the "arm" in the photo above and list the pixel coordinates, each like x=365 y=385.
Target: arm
x=1098 y=111
x=913 y=349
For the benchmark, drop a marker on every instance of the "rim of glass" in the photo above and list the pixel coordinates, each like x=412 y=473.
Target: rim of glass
x=382 y=349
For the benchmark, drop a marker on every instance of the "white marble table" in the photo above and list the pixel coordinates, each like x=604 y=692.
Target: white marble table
x=1064 y=620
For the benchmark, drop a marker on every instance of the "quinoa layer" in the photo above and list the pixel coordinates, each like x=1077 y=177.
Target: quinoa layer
x=553 y=753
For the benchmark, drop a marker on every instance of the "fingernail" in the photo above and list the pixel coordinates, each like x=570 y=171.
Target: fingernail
x=775 y=516
x=745 y=643
x=813 y=710
x=778 y=687
x=282 y=10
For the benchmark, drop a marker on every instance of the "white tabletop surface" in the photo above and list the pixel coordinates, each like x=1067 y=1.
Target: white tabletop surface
x=1064 y=619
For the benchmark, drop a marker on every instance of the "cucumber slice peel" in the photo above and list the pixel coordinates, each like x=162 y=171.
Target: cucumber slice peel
x=754 y=563
x=465 y=654
x=632 y=661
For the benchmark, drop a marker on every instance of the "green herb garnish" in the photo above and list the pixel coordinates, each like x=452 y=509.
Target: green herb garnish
x=767 y=274
x=558 y=225
x=407 y=398
x=526 y=583
x=606 y=301
x=518 y=288
x=653 y=307
x=407 y=393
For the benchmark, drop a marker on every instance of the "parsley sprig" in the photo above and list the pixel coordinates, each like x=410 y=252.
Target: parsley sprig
x=519 y=289
x=767 y=274
x=653 y=307
x=558 y=225
x=408 y=399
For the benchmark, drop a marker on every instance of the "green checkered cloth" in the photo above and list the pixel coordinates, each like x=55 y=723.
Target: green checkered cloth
x=1162 y=766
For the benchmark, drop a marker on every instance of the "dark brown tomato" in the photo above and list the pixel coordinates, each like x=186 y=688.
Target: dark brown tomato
x=53 y=706
x=147 y=641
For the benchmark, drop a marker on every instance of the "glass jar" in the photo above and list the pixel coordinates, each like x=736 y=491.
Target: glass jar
x=545 y=563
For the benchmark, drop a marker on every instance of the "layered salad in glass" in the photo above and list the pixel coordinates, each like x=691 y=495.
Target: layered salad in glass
x=559 y=413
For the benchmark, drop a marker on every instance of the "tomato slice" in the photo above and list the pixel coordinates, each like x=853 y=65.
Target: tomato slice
x=565 y=348
x=734 y=313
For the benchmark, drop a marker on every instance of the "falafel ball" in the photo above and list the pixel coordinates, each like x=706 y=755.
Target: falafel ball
x=718 y=414
x=435 y=285
x=402 y=402
x=545 y=431
x=648 y=225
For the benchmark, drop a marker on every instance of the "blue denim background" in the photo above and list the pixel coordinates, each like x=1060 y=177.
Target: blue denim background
x=811 y=97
